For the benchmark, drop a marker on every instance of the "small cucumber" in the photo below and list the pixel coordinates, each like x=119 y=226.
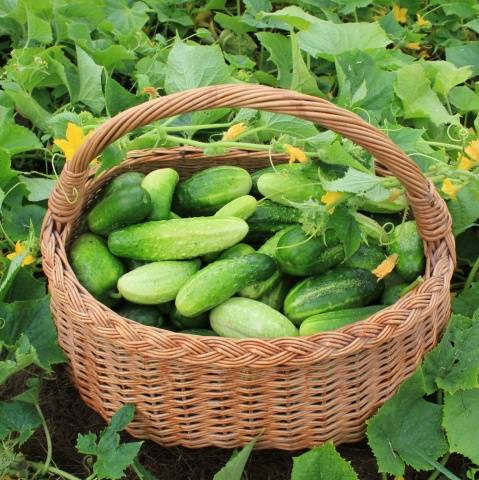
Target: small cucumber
x=220 y=280
x=299 y=254
x=124 y=180
x=276 y=295
x=156 y=282
x=238 y=250
x=181 y=322
x=202 y=332
x=393 y=293
x=122 y=207
x=334 y=290
x=245 y=318
x=288 y=188
x=241 y=207
x=144 y=314
x=323 y=322
x=367 y=257
x=207 y=191
x=177 y=239
x=160 y=184
x=385 y=206
x=407 y=244
x=95 y=267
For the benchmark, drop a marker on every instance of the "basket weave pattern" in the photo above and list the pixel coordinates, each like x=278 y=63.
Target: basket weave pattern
x=202 y=391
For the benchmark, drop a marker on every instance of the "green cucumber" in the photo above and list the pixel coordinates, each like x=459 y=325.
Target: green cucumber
x=160 y=184
x=238 y=250
x=334 y=290
x=324 y=322
x=280 y=168
x=124 y=180
x=407 y=244
x=393 y=293
x=156 y=282
x=288 y=188
x=181 y=322
x=367 y=257
x=207 y=191
x=173 y=215
x=245 y=318
x=202 y=332
x=241 y=207
x=301 y=255
x=220 y=280
x=144 y=314
x=276 y=295
x=131 y=264
x=95 y=267
x=123 y=207
x=384 y=206
x=177 y=239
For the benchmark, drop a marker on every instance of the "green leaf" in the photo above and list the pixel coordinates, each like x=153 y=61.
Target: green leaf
x=18 y=417
x=302 y=79
x=336 y=154
x=26 y=286
x=39 y=188
x=90 y=92
x=464 y=99
x=117 y=98
x=235 y=24
x=17 y=221
x=276 y=124
x=279 y=49
x=464 y=55
x=33 y=319
x=467 y=302
x=461 y=417
x=17 y=139
x=191 y=66
x=121 y=418
x=126 y=19
x=409 y=139
x=38 y=29
x=454 y=364
x=418 y=99
x=347 y=229
x=233 y=470
x=322 y=463
x=464 y=209
x=21 y=356
x=445 y=75
x=13 y=269
x=394 y=435
x=294 y=16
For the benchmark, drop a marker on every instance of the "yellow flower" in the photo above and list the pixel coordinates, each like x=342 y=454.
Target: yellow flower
x=19 y=249
x=295 y=154
x=471 y=157
x=465 y=163
x=394 y=194
x=73 y=141
x=400 y=14
x=413 y=46
x=331 y=199
x=150 y=91
x=234 y=131
x=421 y=21
x=386 y=266
x=449 y=188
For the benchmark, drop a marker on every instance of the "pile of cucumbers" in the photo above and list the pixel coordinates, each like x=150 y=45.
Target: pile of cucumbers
x=224 y=253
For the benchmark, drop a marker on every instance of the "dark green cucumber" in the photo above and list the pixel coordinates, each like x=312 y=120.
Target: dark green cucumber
x=95 y=267
x=334 y=290
x=324 y=322
x=177 y=239
x=299 y=254
x=269 y=218
x=181 y=322
x=276 y=295
x=124 y=180
x=220 y=280
x=120 y=208
x=207 y=191
x=160 y=184
x=238 y=250
x=367 y=257
x=144 y=314
x=407 y=244
x=393 y=293
x=202 y=332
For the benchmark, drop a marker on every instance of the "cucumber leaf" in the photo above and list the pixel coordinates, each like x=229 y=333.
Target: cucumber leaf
x=233 y=470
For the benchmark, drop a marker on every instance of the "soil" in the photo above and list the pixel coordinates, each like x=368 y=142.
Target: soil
x=67 y=415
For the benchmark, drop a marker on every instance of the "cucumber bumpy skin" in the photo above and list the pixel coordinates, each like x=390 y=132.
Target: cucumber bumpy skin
x=160 y=184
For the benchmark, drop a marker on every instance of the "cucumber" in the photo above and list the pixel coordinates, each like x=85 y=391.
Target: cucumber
x=280 y=168
x=269 y=218
x=156 y=282
x=238 y=250
x=207 y=191
x=220 y=280
x=385 y=206
x=173 y=215
x=334 y=290
x=95 y=267
x=160 y=184
x=288 y=188
x=144 y=314
x=276 y=295
x=177 y=239
x=407 y=244
x=203 y=332
x=393 y=293
x=123 y=207
x=299 y=254
x=124 y=180
x=323 y=322
x=131 y=264
x=241 y=207
x=181 y=322
x=245 y=318
x=367 y=257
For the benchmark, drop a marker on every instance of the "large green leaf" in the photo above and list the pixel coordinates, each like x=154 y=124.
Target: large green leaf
x=275 y=124
x=39 y=188
x=445 y=75
x=16 y=139
x=464 y=99
x=464 y=208
x=233 y=470
x=279 y=49
x=464 y=55
x=117 y=98
x=90 y=92
x=126 y=17
x=20 y=418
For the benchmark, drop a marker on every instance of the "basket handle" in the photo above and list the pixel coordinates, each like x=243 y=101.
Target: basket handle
x=430 y=210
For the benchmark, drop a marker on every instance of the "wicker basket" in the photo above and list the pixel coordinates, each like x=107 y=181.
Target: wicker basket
x=202 y=391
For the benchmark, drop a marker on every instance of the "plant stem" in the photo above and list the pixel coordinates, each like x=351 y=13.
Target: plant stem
x=442 y=144
x=181 y=128
x=48 y=438
x=56 y=471
x=442 y=462
x=472 y=274
x=384 y=476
